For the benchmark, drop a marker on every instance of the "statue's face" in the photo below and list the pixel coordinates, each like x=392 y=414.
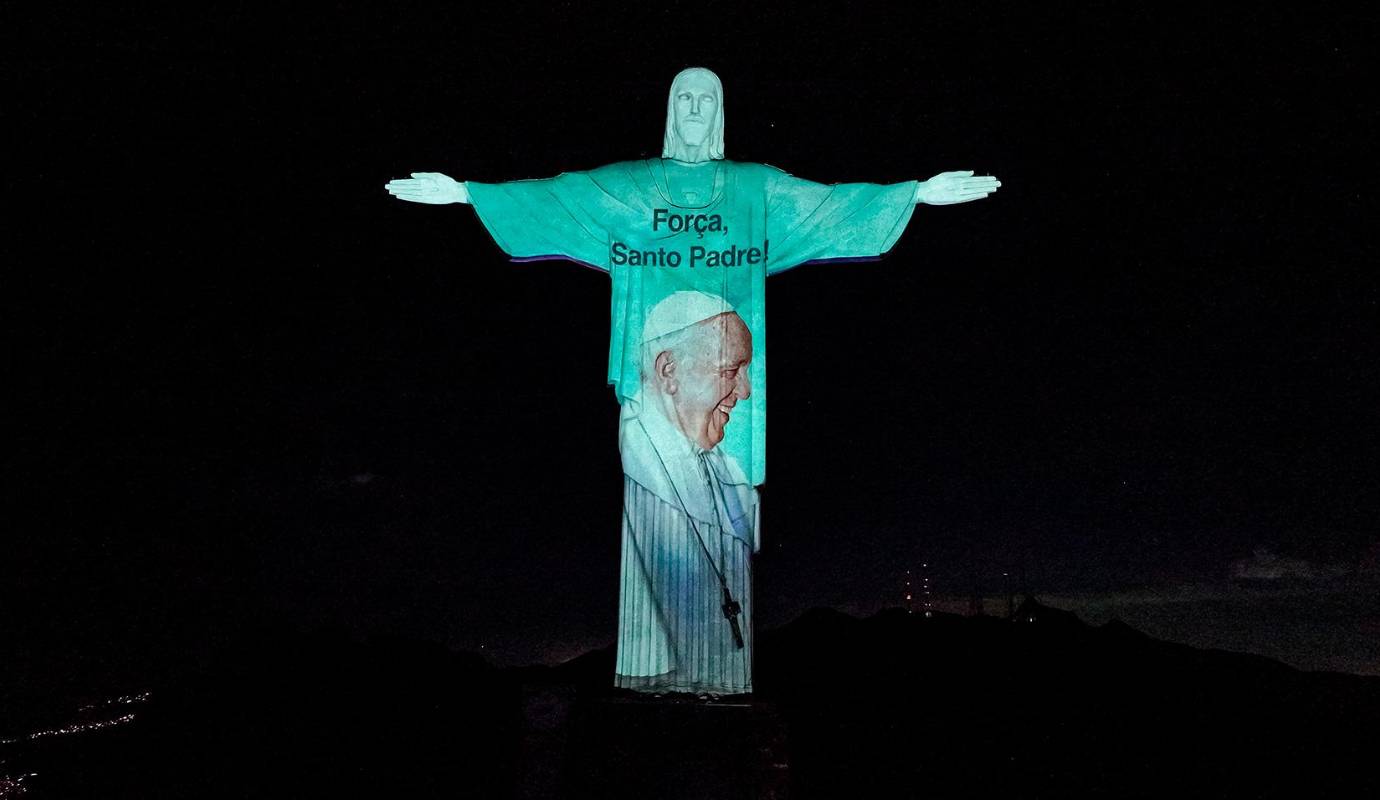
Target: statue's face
x=710 y=377
x=696 y=105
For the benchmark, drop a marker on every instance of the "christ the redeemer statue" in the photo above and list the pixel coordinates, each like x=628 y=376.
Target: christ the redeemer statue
x=689 y=240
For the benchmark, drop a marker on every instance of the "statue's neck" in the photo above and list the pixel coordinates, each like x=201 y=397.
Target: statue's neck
x=691 y=153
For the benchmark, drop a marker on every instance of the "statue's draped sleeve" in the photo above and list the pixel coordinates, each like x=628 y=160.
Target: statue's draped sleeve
x=808 y=221
x=562 y=217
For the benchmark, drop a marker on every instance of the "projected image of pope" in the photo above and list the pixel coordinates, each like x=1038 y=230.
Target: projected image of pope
x=690 y=512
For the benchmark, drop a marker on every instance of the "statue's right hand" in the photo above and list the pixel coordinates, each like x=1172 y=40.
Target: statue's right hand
x=428 y=187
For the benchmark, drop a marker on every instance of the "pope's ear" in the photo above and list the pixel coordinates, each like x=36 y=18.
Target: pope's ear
x=665 y=366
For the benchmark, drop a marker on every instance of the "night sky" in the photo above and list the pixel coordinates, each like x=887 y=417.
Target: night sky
x=253 y=388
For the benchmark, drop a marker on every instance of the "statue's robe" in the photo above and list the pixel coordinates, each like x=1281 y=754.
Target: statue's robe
x=633 y=220
x=687 y=511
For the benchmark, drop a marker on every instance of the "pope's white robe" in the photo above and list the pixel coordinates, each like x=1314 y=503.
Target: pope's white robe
x=672 y=633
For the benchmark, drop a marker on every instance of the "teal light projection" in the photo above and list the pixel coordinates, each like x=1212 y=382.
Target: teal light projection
x=688 y=240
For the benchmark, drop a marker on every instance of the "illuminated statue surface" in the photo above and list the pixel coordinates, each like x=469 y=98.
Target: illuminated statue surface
x=689 y=240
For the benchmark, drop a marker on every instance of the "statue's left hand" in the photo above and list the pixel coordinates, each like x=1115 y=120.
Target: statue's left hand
x=948 y=188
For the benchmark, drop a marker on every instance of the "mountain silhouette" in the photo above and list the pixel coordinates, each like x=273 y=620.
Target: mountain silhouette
x=894 y=705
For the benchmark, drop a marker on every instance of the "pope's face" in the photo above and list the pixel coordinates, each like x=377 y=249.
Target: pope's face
x=696 y=105
x=710 y=378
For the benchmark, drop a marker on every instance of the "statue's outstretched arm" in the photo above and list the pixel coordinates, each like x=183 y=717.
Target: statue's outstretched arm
x=948 y=188
x=561 y=217
x=429 y=187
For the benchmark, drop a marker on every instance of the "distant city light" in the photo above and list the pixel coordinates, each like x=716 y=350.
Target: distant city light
x=123 y=700
x=76 y=727
x=83 y=727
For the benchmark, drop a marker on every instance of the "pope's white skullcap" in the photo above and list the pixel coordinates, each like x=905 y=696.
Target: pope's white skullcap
x=681 y=310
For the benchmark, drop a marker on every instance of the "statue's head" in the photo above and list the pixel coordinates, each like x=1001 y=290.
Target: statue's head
x=695 y=357
x=695 y=117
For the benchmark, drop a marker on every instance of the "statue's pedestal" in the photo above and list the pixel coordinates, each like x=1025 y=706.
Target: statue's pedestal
x=631 y=747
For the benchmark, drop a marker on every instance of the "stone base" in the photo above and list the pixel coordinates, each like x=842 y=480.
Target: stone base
x=667 y=748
